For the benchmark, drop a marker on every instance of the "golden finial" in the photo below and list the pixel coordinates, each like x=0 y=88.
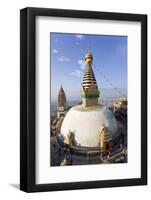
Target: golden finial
x=88 y=57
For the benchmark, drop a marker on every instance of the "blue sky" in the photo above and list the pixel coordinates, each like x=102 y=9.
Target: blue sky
x=67 y=52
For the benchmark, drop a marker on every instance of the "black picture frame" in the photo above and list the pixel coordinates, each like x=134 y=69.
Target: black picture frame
x=28 y=98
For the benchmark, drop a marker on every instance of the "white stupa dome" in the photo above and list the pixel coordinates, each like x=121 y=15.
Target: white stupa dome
x=85 y=123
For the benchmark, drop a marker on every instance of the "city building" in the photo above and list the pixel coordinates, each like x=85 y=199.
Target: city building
x=120 y=104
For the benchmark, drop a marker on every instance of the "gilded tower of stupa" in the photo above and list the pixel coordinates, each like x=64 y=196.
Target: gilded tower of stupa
x=89 y=91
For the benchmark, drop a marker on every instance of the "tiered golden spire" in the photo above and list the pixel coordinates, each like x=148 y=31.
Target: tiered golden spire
x=89 y=78
x=89 y=93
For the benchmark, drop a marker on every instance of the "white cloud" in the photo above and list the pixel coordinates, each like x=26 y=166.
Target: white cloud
x=63 y=59
x=55 y=51
x=82 y=64
x=77 y=43
x=77 y=73
x=80 y=37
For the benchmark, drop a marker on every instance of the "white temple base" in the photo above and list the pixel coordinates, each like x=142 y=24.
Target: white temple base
x=85 y=123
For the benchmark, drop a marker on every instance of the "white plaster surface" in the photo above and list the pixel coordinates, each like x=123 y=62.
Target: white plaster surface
x=86 y=123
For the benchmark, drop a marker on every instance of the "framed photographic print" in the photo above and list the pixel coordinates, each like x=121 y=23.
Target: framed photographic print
x=83 y=99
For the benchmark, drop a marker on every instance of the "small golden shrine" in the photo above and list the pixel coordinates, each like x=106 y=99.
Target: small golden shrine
x=105 y=140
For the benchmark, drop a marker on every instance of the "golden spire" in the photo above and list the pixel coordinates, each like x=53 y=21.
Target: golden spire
x=88 y=57
x=89 y=80
x=89 y=92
